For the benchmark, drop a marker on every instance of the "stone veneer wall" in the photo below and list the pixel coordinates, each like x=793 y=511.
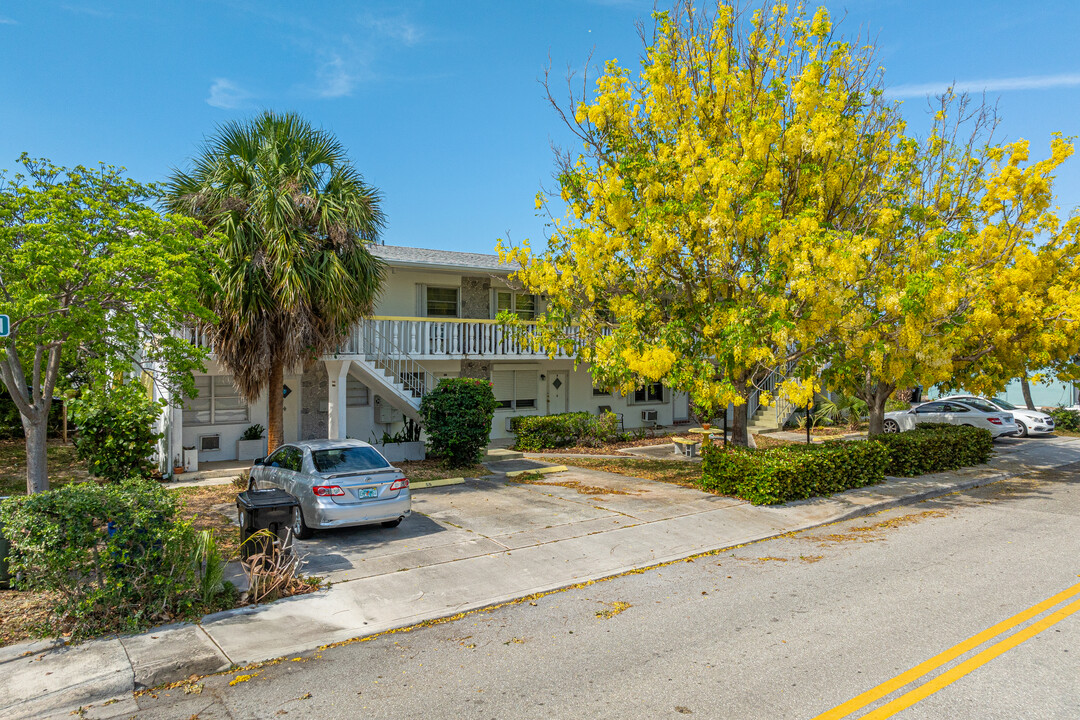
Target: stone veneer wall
x=476 y=369
x=476 y=297
x=314 y=401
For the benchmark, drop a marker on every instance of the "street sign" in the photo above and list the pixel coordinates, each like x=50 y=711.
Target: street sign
x=5 y=326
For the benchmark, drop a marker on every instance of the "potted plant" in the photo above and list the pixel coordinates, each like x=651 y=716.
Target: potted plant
x=252 y=443
x=178 y=467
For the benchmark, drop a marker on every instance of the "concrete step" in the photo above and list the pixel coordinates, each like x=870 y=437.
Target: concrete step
x=495 y=454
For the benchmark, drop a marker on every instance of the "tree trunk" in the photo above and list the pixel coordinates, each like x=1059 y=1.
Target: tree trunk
x=875 y=394
x=275 y=420
x=37 y=468
x=1026 y=388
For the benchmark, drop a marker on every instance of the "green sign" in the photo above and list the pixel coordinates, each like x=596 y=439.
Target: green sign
x=5 y=326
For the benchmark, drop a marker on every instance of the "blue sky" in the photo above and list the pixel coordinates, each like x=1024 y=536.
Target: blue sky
x=439 y=102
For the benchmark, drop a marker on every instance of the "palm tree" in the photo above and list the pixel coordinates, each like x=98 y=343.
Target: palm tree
x=294 y=219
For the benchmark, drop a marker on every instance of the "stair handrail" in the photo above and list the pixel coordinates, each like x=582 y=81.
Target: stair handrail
x=401 y=366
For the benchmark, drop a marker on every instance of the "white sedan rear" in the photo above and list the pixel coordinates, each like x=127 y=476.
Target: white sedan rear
x=953 y=412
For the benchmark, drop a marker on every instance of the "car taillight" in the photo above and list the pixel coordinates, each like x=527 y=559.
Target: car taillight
x=995 y=421
x=400 y=484
x=328 y=490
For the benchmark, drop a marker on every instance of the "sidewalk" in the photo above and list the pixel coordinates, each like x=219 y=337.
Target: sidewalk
x=669 y=523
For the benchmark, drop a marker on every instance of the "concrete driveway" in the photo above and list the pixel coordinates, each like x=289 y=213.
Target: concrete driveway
x=494 y=515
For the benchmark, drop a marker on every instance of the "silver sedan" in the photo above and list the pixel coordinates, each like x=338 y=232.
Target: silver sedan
x=969 y=412
x=339 y=483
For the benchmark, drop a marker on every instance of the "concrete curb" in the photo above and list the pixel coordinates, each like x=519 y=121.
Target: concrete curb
x=538 y=471
x=421 y=484
x=100 y=669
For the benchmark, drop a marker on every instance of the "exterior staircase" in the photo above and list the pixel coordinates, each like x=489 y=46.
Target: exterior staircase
x=390 y=372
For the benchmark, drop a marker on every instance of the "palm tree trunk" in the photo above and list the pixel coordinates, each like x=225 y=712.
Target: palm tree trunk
x=275 y=421
x=1026 y=389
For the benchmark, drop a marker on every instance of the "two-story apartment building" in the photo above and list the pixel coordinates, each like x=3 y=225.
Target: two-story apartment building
x=435 y=318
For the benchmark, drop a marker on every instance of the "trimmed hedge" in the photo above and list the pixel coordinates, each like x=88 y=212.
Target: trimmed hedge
x=457 y=417
x=542 y=432
x=796 y=472
x=936 y=447
x=1065 y=419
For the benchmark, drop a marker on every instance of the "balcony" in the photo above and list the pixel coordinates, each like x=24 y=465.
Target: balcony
x=449 y=339
x=425 y=339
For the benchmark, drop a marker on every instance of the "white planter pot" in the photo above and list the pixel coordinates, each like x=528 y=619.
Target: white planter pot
x=250 y=449
x=401 y=452
x=191 y=460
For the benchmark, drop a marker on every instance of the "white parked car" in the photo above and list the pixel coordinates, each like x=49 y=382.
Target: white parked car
x=1027 y=421
x=972 y=412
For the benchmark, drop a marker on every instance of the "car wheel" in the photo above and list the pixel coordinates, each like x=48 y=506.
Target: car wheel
x=392 y=523
x=300 y=530
x=1023 y=431
x=891 y=426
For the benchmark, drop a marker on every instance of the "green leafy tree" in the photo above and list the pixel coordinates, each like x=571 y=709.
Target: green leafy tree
x=92 y=276
x=294 y=219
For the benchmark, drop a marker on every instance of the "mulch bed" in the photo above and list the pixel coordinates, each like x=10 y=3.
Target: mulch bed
x=611 y=448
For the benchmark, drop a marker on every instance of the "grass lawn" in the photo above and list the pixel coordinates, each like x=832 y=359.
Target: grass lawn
x=64 y=467
x=198 y=507
x=677 y=472
x=418 y=470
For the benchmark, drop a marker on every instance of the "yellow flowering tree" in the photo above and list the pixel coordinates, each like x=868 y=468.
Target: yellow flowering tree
x=715 y=218
x=972 y=275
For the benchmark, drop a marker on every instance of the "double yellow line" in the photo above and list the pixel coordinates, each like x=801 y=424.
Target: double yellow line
x=950 y=676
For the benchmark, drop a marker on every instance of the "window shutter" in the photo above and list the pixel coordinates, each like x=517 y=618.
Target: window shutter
x=503 y=381
x=525 y=388
x=421 y=300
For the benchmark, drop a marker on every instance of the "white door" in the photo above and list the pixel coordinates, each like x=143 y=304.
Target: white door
x=557 y=386
x=682 y=407
x=291 y=408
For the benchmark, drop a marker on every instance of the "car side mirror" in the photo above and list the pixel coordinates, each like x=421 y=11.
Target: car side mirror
x=911 y=412
x=258 y=461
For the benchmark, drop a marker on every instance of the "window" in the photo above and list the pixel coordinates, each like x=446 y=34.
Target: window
x=651 y=393
x=218 y=402
x=347 y=460
x=441 y=302
x=597 y=391
x=934 y=407
x=356 y=393
x=515 y=389
x=287 y=457
x=523 y=304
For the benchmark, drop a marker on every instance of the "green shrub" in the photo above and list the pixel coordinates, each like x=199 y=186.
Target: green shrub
x=936 y=447
x=116 y=434
x=1065 y=419
x=792 y=472
x=115 y=555
x=457 y=416
x=253 y=432
x=893 y=404
x=544 y=432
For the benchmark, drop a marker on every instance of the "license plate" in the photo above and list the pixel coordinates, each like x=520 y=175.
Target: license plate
x=367 y=493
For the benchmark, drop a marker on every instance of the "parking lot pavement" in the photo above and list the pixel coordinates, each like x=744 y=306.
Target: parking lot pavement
x=485 y=516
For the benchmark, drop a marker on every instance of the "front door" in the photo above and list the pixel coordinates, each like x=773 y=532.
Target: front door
x=557 y=392
x=291 y=408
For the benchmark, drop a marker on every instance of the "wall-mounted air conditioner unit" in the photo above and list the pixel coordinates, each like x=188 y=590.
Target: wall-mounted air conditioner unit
x=648 y=416
x=209 y=443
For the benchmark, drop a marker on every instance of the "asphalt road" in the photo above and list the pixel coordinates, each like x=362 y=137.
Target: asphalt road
x=788 y=628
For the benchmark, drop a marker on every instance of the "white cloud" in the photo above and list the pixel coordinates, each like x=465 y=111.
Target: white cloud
x=334 y=79
x=1030 y=82
x=7 y=21
x=227 y=95
x=396 y=28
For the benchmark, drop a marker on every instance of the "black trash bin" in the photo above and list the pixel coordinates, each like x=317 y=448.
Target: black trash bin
x=5 y=547
x=272 y=509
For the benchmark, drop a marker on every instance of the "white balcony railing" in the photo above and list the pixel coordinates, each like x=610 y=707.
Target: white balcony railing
x=449 y=339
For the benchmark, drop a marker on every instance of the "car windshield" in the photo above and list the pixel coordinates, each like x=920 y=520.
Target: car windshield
x=347 y=459
x=1004 y=404
x=981 y=406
